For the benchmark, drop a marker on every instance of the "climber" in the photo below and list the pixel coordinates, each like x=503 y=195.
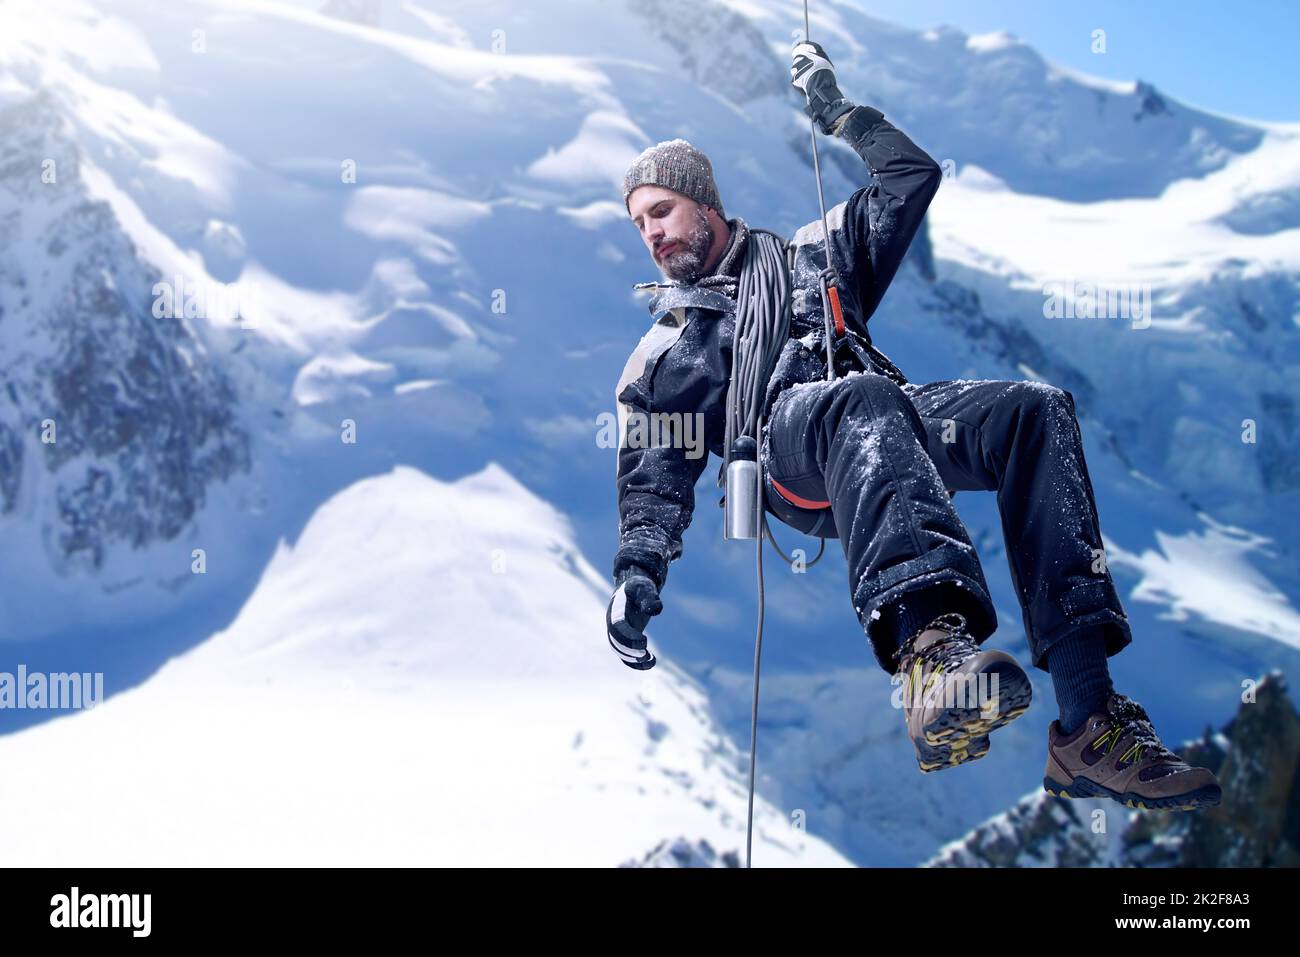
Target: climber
x=881 y=456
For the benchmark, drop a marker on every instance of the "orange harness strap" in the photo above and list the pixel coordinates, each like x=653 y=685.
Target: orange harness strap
x=835 y=309
x=793 y=499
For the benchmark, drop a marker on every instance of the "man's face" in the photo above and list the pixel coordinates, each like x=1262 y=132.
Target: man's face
x=674 y=228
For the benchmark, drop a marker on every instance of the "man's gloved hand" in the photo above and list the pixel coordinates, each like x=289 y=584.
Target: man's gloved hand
x=814 y=74
x=635 y=602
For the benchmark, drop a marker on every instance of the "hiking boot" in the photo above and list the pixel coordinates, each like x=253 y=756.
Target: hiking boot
x=1116 y=753
x=954 y=693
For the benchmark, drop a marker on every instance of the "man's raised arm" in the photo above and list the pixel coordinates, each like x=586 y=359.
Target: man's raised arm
x=869 y=232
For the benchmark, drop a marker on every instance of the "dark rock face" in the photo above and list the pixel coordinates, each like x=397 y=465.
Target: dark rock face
x=699 y=31
x=129 y=417
x=683 y=853
x=1256 y=757
x=1258 y=823
x=1150 y=102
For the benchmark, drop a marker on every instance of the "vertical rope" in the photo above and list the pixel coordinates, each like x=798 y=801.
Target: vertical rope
x=756 y=343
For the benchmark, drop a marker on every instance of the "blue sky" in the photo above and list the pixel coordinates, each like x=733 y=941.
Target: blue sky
x=1240 y=59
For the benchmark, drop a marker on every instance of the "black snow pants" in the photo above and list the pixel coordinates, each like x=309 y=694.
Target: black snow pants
x=885 y=456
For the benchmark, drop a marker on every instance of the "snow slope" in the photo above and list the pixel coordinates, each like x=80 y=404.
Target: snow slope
x=412 y=683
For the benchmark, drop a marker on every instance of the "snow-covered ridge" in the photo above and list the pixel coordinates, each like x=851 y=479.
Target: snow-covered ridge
x=419 y=679
x=995 y=102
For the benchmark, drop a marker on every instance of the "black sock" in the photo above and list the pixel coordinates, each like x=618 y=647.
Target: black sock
x=909 y=618
x=910 y=614
x=1077 y=664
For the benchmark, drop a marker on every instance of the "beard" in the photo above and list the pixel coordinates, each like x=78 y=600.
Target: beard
x=686 y=262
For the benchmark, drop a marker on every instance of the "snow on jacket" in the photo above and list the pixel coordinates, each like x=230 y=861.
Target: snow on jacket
x=675 y=382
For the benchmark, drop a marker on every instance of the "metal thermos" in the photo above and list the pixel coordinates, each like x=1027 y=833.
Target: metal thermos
x=742 y=490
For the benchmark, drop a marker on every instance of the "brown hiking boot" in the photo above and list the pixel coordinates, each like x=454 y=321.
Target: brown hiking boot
x=1117 y=754
x=954 y=693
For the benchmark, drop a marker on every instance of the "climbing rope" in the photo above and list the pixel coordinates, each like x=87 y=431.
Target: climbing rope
x=770 y=278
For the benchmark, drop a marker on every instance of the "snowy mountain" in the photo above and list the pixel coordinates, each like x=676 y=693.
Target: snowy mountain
x=417 y=206
x=116 y=424
x=408 y=685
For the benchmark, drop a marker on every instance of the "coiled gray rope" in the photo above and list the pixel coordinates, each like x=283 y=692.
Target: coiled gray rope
x=762 y=328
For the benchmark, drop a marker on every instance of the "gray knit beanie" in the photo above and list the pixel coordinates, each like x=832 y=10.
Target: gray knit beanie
x=677 y=165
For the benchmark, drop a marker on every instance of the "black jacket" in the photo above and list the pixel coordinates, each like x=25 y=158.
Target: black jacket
x=682 y=366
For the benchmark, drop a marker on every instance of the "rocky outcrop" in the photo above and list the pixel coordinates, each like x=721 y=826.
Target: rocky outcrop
x=1256 y=757
x=128 y=417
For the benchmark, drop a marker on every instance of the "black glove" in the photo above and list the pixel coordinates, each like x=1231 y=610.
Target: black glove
x=635 y=602
x=814 y=74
